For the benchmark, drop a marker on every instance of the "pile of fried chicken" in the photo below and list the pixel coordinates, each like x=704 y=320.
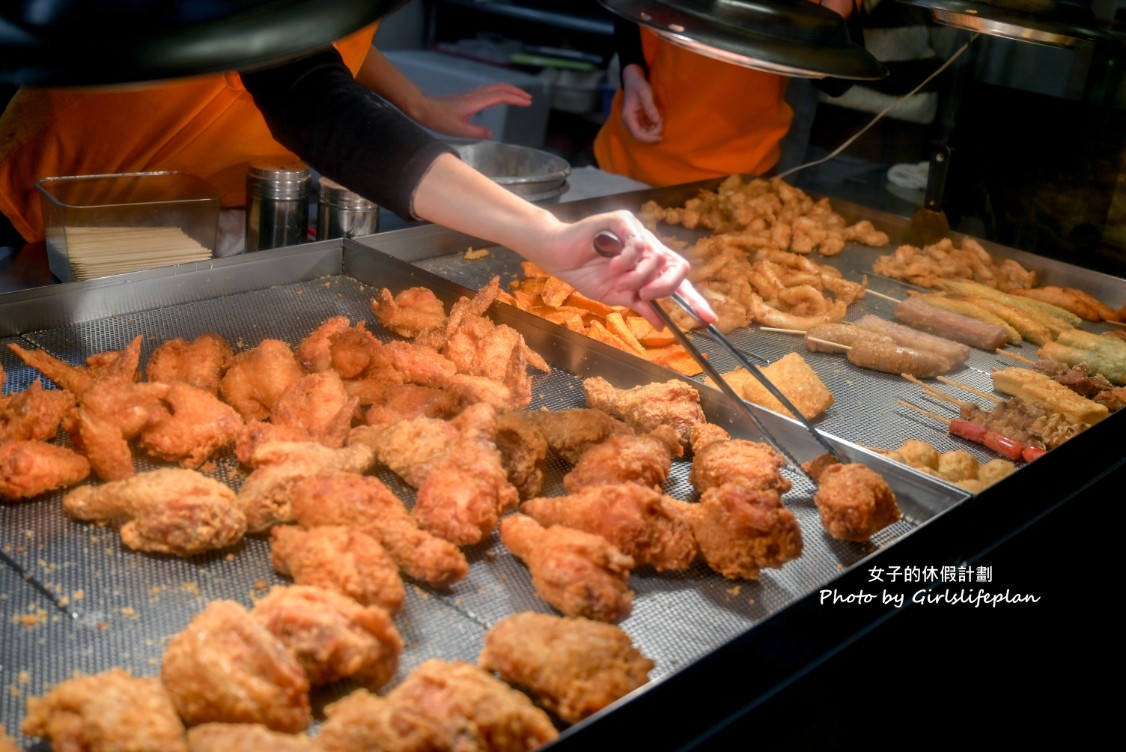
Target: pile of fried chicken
x=443 y=409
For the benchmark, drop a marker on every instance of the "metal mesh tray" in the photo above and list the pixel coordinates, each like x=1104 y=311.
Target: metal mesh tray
x=128 y=604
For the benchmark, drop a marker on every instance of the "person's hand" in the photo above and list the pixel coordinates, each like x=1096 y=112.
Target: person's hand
x=644 y=270
x=451 y=114
x=639 y=112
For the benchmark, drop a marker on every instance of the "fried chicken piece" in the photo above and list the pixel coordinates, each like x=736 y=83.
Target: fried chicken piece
x=257 y=377
x=855 y=502
x=30 y=468
x=671 y=403
x=741 y=529
x=578 y=573
x=201 y=362
x=364 y=503
x=463 y=496
x=266 y=495
x=6 y=743
x=640 y=458
x=523 y=453
x=223 y=737
x=113 y=711
x=225 y=667
x=170 y=510
x=338 y=558
x=569 y=433
x=704 y=434
x=409 y=448
x=637 y=519
x=319 y=405
x=257 y=432
x=408 y=401
x=102 y=444
x=410 y=312
x=573 y=667
x=314 y=351
x=74 y=379
x=439 y=706
x=750 y=463
x=33 y=414
x=192 y=428
x=332 y=635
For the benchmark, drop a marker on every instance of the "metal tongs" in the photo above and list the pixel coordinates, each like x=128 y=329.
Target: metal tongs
x=608 y=245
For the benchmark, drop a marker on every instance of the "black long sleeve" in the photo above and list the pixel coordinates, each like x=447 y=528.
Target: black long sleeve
x=314 y=107
x=627 y=41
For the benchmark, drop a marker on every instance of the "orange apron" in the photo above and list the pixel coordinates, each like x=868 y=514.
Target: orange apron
x=719 y=119
x=207 y=126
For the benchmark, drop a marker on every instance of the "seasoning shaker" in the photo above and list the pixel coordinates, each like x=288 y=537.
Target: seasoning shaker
x=344 y=214
x=277 y=208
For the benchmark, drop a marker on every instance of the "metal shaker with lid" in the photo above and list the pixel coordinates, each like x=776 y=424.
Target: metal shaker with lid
x=277 y=209
x=344 y=214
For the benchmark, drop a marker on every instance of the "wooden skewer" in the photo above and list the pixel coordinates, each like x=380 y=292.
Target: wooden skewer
x=831 y=344
x=927 y=413
x=881 y=295
x=967 y=388
x=932 y=391
x=1114 y=323
x=1014 y=356
x=783 y=331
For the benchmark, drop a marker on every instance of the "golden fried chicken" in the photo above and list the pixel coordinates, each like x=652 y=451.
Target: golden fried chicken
x=637 y=519
x=749 y=463
x=741 y=529
x=569 y=433
x=332 y=635
x=338 y=558
x=170 y=510
x=439 y=706
x=640 y=458
x=578 y=573
x=6 y=743
x=200 y=362
x=704 y=434
x=410 y=312
x=354 y=459
x=74 y=379
x=523 y=453
x=192 y=426
x=109 y=712
x=314 y=351
x=409 y=448
x=671 y=403
x=319 y=405
x=33 y=414
x=30 y=468
x=101 y=442
x=406 y=401
x=364 y=503
x=855 y=502
x=573 y=667
x=224 y=737
x=257 y=377
x=225 y=667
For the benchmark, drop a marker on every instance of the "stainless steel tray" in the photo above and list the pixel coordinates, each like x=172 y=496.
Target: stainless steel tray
x=128 y=604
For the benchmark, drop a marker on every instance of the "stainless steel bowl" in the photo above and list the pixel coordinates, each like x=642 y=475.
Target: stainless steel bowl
x=530 y=173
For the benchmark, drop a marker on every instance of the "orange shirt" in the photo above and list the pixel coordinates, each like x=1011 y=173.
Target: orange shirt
x=207 y=126
x=719 y=119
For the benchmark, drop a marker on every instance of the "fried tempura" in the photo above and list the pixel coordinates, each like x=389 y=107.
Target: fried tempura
x=170 y=510
x=338 y=558
x=672 y=403
x=332 y=635
x=109 y=712
x=637 y=519
x=579 y=573
x=226 y=667
x=573 y=667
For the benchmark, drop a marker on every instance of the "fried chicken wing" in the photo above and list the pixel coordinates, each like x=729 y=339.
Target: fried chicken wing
x=439 y=706
x=569 y=433
x=410 y=312
x=671 y=403
x=224 y=737
x=644 y=459
x=225 y=667
x=257 y=377
x=407 y=401
x=578 y=573
x=314 y=351
x=332 y=635
x=574 y=667
x=741 y=529
x=364 y=503
x=855 y=502
x=200 y=363
x=409 y=448
x=749 y=463
x=170 y=510
x=523 y=453
x=338 y=558
x=192 y=428
x=637 y=519
x=319 y=405
x=33 y=414
x=109 y=712
x=31 y=468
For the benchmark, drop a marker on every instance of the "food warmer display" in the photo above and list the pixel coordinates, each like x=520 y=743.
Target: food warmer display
x=78 y=601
